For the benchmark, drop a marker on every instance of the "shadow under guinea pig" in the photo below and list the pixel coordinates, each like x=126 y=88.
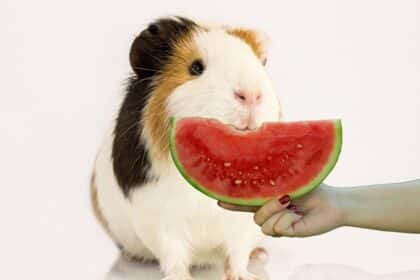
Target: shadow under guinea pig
x=124 y=269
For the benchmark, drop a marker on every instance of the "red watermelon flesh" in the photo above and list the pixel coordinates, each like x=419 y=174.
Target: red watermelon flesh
x=251 y=167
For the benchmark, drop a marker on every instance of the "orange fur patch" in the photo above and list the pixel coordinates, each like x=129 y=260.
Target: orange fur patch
x=174 y=74
x=252 y=38
x=98 y=212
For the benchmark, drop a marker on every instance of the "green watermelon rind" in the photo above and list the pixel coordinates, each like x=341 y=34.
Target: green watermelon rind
x=259 y=201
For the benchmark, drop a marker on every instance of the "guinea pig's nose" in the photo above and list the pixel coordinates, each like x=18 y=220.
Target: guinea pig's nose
x=247 y=97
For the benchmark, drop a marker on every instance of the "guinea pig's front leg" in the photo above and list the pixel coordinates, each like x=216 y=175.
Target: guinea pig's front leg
x=172 y=252
x=174 y=259
x=236 y=264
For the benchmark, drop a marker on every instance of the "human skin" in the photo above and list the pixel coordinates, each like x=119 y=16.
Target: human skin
x=387 y=207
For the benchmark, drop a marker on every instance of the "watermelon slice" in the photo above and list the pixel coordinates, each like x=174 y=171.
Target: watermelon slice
x=252 y=167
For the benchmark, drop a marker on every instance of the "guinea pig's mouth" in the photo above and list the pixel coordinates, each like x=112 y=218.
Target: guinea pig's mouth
x=246 y=123
x=243 y=129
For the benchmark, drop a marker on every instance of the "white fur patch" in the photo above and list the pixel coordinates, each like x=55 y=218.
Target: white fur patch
x=230 y=65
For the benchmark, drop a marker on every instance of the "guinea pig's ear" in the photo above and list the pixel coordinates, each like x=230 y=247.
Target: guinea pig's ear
x=258 y=40
x=150 y=49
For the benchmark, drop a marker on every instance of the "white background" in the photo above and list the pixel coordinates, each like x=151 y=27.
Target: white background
x=62 y=68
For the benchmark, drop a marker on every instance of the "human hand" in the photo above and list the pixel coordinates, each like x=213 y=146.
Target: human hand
x=315 y=213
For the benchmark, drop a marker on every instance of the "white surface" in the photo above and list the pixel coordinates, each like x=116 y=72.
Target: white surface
x=280 y=266
x=62 y=67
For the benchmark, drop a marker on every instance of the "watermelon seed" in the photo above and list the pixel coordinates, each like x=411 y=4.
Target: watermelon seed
x=238 y=182
x=272 y=183
x=299 y=146
x=227 y=164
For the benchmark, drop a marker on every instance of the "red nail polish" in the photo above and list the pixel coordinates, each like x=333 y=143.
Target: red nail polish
x=300 y=213
x=292 y=207
x=284 y=200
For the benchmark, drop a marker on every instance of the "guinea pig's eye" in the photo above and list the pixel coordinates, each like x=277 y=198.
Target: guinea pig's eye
x=197 y=67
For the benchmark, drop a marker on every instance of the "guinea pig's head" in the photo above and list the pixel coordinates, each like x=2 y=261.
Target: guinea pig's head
x=184 y=69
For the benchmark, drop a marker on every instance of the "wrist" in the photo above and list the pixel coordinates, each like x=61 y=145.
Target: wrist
x=345 y=204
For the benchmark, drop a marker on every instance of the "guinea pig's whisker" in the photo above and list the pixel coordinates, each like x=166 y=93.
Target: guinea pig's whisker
x=147 y=69
x=154 y=115
x=158 y=113
x=143 y=80
x=142 y=157
x=174 y=54
x=154 y=57
x=181 y=58
x=127 y=130
x=163 y=138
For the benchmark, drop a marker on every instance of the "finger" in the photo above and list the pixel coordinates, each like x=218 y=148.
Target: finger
x=271 y=208
x=285 y=225
x=234 y=207
x=313 y=223
x=268 y=227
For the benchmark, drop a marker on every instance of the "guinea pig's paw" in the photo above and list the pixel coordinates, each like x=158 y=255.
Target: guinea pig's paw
x=242 y=276
x=259 y=255
x=177 y=277
x=235 y=271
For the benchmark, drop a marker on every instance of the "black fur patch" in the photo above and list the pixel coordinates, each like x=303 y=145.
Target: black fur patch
x=149 y=52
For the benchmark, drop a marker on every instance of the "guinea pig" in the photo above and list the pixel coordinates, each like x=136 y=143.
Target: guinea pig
x=181 y=68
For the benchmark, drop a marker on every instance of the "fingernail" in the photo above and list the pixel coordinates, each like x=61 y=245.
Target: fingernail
x=292 y=207
x=284 y=200
x=300 y=213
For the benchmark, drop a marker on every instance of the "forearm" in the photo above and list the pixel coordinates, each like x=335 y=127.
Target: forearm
x=390 y=207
